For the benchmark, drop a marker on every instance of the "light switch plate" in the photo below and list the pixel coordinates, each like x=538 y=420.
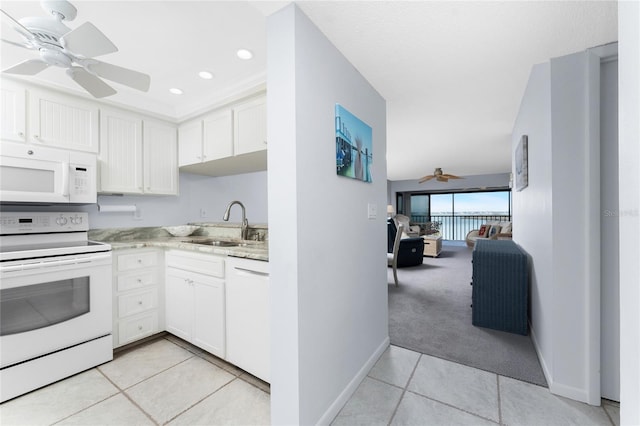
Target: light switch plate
x=372 y=211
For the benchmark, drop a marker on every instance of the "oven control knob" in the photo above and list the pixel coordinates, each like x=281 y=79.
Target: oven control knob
x=61 y=221
x=76 y=220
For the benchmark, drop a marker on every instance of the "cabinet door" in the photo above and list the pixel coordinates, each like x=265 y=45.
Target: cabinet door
x=12 y=112
x=250 y=126
x=218 y=135
x=63 y=121
x=160 y=151
x=247 y=313
x=190 y=143
x=178 y=303
x=120 y=159
x=208 y=311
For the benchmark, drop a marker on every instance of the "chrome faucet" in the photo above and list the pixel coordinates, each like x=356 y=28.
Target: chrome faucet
x=245 y=222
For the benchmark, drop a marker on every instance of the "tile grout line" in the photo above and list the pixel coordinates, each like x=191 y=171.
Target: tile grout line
x=606 y=413
x=89 y=406
x=126 y=395
x=499 y=399
x=404 y=391
x=433 y=399
x=452 y=406
x=200 y=400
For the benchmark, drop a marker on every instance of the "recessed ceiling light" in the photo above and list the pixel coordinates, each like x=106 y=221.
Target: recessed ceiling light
x=205 y=75
x=176 y=91
x=244 y=54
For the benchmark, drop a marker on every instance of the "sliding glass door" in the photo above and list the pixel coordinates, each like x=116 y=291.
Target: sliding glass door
x=456 y=213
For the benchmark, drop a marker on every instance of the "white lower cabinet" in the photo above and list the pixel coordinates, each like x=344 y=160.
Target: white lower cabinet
x=248 y=316
x=195 y=299
x=137 y=295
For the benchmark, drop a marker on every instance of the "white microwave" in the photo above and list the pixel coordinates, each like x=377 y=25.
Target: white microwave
x=35 y=174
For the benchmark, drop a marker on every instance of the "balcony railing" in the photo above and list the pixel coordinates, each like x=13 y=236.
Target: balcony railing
x=456 y=227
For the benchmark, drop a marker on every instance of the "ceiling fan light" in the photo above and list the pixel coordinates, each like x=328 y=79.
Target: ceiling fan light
x=176 y=91
x=205 y=75
x=244 y=54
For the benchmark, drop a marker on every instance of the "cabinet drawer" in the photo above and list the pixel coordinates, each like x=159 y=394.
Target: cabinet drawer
x=131 y=261
x=138 y=280
x=137 y=327
x=133 y=303
x=207 y=264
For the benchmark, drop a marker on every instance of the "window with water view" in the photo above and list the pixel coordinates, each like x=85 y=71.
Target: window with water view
x=457 y=213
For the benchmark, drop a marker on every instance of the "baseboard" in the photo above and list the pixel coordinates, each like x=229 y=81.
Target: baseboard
x=576 y=394
x=348 y=391
x=543 y=364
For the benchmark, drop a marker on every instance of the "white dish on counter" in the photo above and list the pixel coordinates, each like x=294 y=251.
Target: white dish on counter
x=181 y=230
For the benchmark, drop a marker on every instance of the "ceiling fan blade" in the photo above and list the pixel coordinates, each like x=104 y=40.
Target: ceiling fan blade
x=13 y=43
x=28 y=67
x=87 y=41
x=19 y=27
x=426 y=178
x=442 y=179
x=90 y=83
x=451 y=176
x=121 y=75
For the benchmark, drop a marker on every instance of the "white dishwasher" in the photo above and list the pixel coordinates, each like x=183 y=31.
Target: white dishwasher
x=248 y=316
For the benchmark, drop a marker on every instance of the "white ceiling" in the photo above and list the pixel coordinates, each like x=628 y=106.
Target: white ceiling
x=453 y=73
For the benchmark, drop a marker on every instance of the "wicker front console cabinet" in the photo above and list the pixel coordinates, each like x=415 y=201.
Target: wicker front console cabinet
x=500 y=286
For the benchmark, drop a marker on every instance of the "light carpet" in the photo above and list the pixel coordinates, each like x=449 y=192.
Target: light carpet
x=430 y=313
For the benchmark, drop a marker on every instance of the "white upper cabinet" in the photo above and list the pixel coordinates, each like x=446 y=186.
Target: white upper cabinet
x=190 y=142
x=12 y=112
x=62 y=121
x=160 y=150
x=231 y=140
x=137 y=156
x=120 y=156
x=250 y=126
x=218 y=135
x=206 y=138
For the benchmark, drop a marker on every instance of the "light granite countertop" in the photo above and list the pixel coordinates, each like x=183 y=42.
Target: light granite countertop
x=129 y=238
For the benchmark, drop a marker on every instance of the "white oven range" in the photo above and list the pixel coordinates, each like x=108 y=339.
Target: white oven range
x=55 y=300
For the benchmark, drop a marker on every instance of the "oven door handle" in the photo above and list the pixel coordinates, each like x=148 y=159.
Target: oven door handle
x=58 y=262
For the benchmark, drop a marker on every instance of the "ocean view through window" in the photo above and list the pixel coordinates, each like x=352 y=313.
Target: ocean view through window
x=456 y=213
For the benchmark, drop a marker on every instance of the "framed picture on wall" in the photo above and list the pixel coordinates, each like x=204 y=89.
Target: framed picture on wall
x=354 y=146
x=522 y=164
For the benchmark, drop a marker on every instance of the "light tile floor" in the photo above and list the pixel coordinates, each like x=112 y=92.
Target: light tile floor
x=409 y=388
x=168 y=381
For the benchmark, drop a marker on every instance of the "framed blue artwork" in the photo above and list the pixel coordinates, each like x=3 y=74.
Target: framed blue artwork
x=354 y=146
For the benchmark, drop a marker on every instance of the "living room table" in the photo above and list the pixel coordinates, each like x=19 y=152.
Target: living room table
x=432 y=245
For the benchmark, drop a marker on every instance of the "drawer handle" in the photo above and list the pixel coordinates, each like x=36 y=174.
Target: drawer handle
x=139 y=302
x=251 y=271
x=140 y=280
x=140 y=327
x=139 y=260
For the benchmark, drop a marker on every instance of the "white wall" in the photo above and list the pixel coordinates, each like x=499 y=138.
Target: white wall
x=533 y=208
x=209 y=193
x=576 y=228
x=560 y=115
x=629 y=151
x=328 y=270
x=609 y=233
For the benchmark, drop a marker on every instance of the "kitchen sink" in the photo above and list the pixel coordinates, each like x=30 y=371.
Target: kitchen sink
x=225 y=243
x=217 y=243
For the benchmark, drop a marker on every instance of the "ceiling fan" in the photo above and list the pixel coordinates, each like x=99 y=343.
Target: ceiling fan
x=439 y=176
x=59 y=45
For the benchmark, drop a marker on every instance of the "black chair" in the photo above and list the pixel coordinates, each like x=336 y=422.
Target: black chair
x=411 y=249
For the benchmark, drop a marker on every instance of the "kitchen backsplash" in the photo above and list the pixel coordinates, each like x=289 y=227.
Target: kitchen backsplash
x=218 y=230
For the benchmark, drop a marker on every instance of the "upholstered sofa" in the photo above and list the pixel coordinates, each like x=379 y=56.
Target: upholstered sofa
x=411 y=249
x=492 y=230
